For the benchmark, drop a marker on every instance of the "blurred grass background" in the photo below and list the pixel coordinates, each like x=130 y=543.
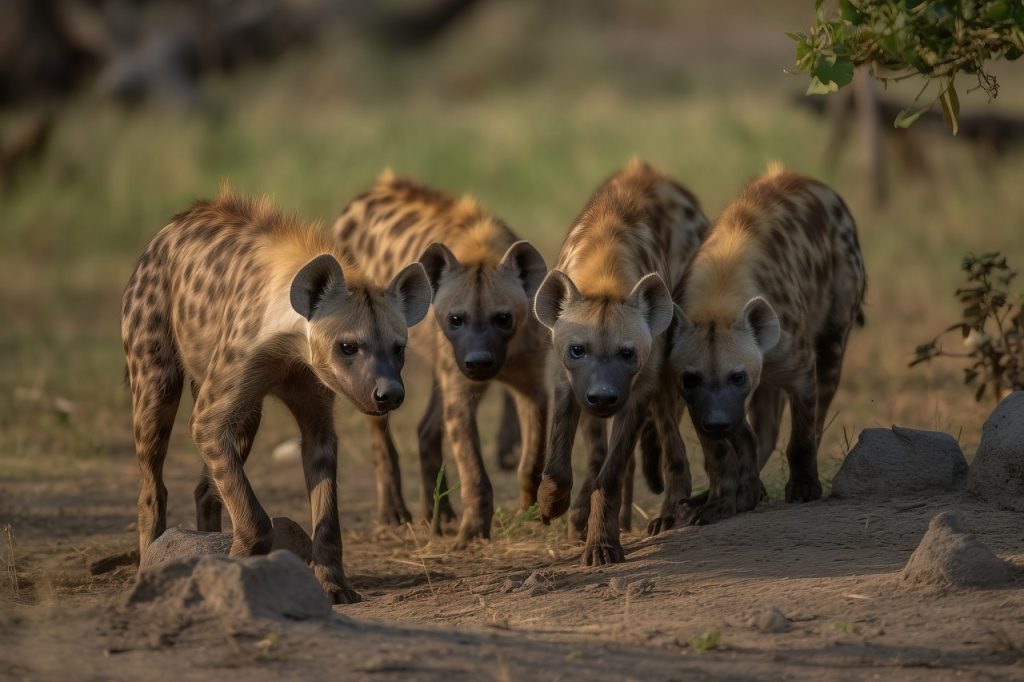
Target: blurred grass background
x=528 y=106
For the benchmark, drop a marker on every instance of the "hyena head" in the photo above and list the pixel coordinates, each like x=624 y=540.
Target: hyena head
x=357 y=335
x=479 y=307
x=603 y=343
x=718 y=364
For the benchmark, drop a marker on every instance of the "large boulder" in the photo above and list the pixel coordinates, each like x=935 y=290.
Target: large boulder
x=950 y=556
x=179 y=543
x=278 y=585
x=997 y=472
x=897 y=462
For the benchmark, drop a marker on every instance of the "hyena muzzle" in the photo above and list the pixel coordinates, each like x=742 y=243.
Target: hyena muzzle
x=607 y=304
x=481 y=330
x=240 y=303
x=768 y=305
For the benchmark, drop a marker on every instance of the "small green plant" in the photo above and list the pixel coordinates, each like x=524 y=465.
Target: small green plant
x=846 y=628
x=511 y=523
x=435 y=521
x=992 y=328
x=933 y=40
x=709 y=640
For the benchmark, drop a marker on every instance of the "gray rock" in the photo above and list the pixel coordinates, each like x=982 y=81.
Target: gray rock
x=278 y=585
x=179 y=543
x=997 y=472
x=768 y=619
x=897 y=462
x=950 y=556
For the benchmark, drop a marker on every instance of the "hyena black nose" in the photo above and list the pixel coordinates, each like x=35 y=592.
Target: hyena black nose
x=388 y=394
x=479 y=360
x=602 y=396
x=716 y=425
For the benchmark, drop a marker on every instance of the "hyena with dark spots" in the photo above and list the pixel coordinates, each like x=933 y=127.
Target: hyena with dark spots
x=481 y=330
x=242 y=303
x=607 y=304
x=767 y=308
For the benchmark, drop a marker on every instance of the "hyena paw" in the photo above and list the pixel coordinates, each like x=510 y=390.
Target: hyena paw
x=711 y=511
x=474 y=527
x=696 y=500
x=660 y=524
x=578 y=519
x=341 y=594
x=394 y=515
x=803 y=490
x=602 y=553
x=553 y=498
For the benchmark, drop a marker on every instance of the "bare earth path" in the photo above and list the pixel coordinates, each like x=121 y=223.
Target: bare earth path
x=430 y=613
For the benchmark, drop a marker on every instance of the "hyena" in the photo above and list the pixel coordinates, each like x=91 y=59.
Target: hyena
x=768 y=305
x=243 y=302
x=482 y=329
x=607 y=303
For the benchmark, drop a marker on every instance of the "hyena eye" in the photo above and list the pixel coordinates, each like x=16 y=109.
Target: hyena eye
x=627 y=353
x=455 y=321
x=577 y=351
x=348 y=348
x=738 y=379
x=691 y=380
x=503 y=320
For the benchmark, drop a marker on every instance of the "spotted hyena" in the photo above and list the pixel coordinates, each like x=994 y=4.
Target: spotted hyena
x=481 y=330
x=607 y=304
x=768 y=304
x=242 y=302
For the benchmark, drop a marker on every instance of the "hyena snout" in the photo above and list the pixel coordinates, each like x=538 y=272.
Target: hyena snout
x=388 y=393
x=603 y=397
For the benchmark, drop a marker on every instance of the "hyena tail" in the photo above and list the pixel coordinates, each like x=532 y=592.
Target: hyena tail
x=650 y=454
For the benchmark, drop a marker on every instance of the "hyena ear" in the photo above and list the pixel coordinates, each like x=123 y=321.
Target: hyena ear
x=680 y=326
x=524 y=261
x=653 y=299
x=410 y=291
x=761 y=319
x=313 y=282
x=436 y=260
x=553 y=295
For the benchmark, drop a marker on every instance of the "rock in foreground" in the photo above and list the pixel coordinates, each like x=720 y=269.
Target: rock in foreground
x=997 y=472
x=897 y=462
x=180 y=543
x=949 y=556
x=278 y=585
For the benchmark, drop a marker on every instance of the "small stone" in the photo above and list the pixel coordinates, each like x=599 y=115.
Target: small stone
x=618 y=585
x=768 y=619
x=288 y=451
x=949 y=556
x=997 y=472
x=178 y=543
x=898 y=462
x=291 y=536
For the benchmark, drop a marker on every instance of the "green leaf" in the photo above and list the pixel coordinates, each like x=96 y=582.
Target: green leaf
x=829 y=74
x=950 y=107
x=850 y=13
x=906 y=118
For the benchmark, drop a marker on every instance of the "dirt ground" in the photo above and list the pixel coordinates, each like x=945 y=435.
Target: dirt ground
x=677 y=609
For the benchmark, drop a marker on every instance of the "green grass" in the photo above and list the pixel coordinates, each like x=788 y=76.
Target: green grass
x=530 y=127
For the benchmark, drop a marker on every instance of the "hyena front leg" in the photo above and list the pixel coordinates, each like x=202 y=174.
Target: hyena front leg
x=595 y=438
x=509 y=442
x=313 y=411
x=391 y=509
x=431 y=439
x=460 y=398
x=802 y=453
x=156 y=391
x=531 y=403
x=208 y=502
x=766 y=407
x=719 y=502
x=667 y=413
x=555 y=492
x=750 y=490
x=603 y=543
x=626 y=508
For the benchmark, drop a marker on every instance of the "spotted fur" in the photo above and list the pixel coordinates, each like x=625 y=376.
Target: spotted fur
x=768 y=305
x=240 y=302
x=484 y=278
x=607 y=303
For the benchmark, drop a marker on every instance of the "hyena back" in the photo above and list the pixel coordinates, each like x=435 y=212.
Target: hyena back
x=768 y=306
x=607 y=303
x=241 y=302
x=481 y=330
